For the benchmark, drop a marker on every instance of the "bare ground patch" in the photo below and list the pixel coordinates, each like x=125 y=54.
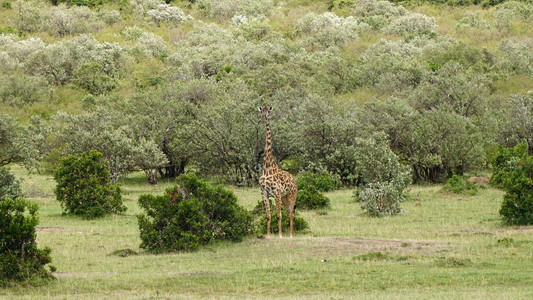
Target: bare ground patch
x=50 y=229
x=319 y=246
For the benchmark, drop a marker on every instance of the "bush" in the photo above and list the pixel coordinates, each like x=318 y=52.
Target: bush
x=517 y=206
x=322 y=181
x=91 y=78
x=226 y=9
x=190 y=215
x=310 y=188
x=311 y=198
x=299 y=224
x=20 y=90
x=327 y=29
x=413 y=23
x=458 y=185
x=504 y=161
x=20 y=259
x=472 y=20
x=165 y=13
x=9 y=186
x=62 y=20
x=380 y=198
x=377 y=14
x=84 y=188
x=109 y=17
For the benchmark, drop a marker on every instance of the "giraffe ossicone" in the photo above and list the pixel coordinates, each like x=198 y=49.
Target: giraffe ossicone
x=276 y=182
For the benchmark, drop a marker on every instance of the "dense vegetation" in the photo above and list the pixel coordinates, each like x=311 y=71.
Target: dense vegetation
x=375 y=94
x=84 y=187
x=168 y=87
x=20 y=259
x=190 y=215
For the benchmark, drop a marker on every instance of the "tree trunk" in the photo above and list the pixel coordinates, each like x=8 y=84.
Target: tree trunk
x=151 y=175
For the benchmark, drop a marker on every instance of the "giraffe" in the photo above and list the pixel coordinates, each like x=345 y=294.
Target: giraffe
x=275 y=182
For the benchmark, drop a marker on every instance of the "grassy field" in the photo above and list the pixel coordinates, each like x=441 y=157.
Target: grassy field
x=441 y=246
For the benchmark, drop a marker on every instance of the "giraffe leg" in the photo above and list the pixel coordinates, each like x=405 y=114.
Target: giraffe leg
x=267 y=210
x=289 y=207
x=278 y=210
x=292 y=205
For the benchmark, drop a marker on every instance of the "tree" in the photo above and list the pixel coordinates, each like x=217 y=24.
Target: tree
x=102 y=130
x=20 y=259
x=84 y=187
x=14 y=143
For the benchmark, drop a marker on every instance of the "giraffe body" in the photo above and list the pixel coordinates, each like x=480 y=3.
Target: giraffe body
x=275 y=182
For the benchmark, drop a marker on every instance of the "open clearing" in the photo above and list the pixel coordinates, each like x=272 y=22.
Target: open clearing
x=441 y=246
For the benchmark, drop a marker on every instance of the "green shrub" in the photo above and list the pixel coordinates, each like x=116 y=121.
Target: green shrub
x=91 y=78
x=379 y=199
x=517 y=206
x=89 y=3
x=323 y=181
x=190 y=215
x=458 y=185
x=6 y=5
x=311 y=198
x=504 y=161
x=261 y=224
x=84 y=187
x=20 y=259
x=9 y=186
x=310 y=188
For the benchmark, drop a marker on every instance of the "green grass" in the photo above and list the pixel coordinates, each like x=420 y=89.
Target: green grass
x=441 y=246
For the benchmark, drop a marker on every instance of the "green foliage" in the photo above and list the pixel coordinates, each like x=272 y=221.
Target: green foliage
x=84 y=187
x=310 y=197
x=104 y=130
x=191 y=215
x=9 y=186
x=20 y=259
x=23 y=90
x=458 y=185
x=6 y=5
x=517 y=206
x=424 y=141
x=90 y=77
x=504 y=161
x=16 y=144
x=310 y=188
x=380 y=198
x=89 y=3
x=518 y=126
x=322 y=181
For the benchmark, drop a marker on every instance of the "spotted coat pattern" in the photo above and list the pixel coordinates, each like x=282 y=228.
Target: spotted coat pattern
x=275 y=182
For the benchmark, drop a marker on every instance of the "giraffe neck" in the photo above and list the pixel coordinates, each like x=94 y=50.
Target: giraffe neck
x=270 y=162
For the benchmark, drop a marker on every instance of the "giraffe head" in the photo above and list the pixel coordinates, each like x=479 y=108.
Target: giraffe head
x=265 y=111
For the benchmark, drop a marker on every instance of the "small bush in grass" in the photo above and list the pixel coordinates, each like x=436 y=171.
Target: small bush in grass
x=84 y=187
x=310 y=188
x=9 y=186
x=458 y=185
x=20 y=259
x=380 y=198
x=311 y=198
x=190 y=215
